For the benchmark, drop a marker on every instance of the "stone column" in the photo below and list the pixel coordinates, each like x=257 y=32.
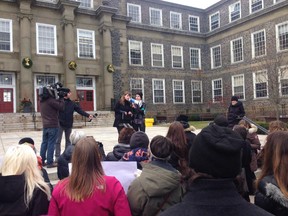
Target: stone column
x=26 y=75
x=107 y=59
x=69 y=55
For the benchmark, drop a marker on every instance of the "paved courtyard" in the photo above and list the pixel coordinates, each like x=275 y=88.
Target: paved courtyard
x=107 y=135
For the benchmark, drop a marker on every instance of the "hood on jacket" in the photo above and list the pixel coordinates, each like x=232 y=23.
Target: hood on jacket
x=157 y=181
x=253 y=129
x=68 y=153
x=11 y=188
x=275 y=193
x=120 y=149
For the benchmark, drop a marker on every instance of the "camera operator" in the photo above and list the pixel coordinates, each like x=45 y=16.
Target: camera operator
x=66 y=121
x=51 y=103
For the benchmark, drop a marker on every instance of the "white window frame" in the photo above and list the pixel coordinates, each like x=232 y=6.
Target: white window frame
x=253 y=43
x=82 y=2
x=198 y=23
x=164 y=97
x=232 y=50
x=193 y=89
x=210 y=21
x=152 y=55
x=277 y=36
x=254 y=84
x=141 y=52
x=234 y=85
x=180 y=20
x=150 y=16
x=183 y=91
x=93 y=43
x=139 y=18
x=231 y=7
x=55 y=38
x=139 y=89
x=213 y=59
x=213 y=89
x=172 y=55
x=199 y=58
x=10 y=34
x=283 y=75
x=250 y=6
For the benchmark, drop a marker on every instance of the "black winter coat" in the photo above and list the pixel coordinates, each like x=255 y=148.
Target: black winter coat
x=118 y=151
x=120 y=117
x=235 y=113
x=217 y=197
x=270 y=198
x=63 y=161
x=12 y=198
x=66 y=116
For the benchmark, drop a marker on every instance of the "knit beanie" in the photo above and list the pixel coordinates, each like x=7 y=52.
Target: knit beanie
x=140 y=94
x=139 y=139
x=217 y=151
x=221 y=120
x=234 y=98
x=26 y=140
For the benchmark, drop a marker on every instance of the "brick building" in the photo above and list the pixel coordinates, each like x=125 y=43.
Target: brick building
x=183 y=59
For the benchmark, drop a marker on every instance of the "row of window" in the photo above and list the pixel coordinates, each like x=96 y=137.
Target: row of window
x=260 y=87
x=155 y=15
x=46 y=39
x=258 y=41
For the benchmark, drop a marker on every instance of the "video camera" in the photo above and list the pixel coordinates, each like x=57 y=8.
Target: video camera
x=55 y=90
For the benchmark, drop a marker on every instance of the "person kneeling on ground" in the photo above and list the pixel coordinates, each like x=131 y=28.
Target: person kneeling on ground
x=215 y=157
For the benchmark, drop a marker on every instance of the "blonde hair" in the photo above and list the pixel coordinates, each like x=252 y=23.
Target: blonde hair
x=75 y=136
x=19 y=160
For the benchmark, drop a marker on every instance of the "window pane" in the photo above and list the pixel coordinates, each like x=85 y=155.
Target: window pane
x=46 y=39
x=5 y=79
x=283 y=36
x=193 y=23
x=134 y=12
x=155 y=17
x=237 y=50
x=259 y=44
x=86 y=44
x=5 y=35
x=135 y=52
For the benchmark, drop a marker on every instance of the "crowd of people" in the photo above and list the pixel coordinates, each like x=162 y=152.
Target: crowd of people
x=211 y=173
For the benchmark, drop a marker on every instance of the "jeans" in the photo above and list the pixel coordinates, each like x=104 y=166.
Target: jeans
x=49 y=137
x=59 y=138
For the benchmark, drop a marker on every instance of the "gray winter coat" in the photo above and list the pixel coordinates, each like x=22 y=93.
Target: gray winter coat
x=270 y=197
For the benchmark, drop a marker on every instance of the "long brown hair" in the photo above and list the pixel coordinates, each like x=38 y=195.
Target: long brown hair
x=87 y=172
x=177 y=135
x=276 y=159
x=122 y=99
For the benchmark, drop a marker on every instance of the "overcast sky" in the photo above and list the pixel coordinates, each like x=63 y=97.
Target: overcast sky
x=195 y=3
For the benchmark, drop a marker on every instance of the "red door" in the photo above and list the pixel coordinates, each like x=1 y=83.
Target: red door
x=6 y=100
x=86 y=99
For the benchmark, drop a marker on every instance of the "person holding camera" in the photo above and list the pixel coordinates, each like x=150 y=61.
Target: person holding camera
x=66 y=121
x=51 y=103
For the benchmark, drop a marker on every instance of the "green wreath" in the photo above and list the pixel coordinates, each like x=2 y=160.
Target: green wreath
x=72 y=65
x=27 y=62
